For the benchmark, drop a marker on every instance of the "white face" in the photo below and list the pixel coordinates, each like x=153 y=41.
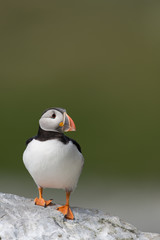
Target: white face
x=51 y=119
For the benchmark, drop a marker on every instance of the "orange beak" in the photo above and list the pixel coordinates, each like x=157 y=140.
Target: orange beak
x=72 y=126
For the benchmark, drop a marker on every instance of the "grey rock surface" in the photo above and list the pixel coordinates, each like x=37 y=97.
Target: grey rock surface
x=21 y=219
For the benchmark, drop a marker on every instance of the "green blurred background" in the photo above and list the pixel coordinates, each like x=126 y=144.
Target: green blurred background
x=100 y=61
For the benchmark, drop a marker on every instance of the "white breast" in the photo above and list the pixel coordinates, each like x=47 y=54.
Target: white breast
x=53 y=164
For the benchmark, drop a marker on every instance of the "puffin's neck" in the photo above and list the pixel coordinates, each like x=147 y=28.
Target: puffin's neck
x=45 y=135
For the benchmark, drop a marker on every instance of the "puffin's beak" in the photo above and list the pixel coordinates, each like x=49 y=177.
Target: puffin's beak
x=69 y=124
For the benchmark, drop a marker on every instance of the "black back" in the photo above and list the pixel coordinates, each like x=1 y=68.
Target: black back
x=48 y=135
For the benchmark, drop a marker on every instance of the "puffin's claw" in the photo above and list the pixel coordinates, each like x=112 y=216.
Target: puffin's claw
x=67 y=212
x=42 y=202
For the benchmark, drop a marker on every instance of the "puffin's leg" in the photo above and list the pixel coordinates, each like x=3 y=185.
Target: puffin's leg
x=40 y=201
x=66 y=209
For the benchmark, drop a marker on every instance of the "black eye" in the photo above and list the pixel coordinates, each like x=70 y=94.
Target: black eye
x=53 y=115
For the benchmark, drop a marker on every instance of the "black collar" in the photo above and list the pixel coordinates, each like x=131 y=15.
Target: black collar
x=48 y=135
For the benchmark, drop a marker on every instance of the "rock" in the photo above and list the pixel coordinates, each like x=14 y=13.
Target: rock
x=21 y=219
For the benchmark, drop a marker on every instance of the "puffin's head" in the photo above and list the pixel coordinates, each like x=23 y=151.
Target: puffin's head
x=56 y=119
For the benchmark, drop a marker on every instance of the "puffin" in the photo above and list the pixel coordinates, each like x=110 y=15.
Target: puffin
x=53 y=159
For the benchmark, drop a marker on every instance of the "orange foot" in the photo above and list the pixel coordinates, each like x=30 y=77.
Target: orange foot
x=42 y=202
x=66 y=212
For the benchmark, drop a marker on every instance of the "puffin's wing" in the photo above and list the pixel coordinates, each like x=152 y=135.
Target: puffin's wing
x=29 y=140
x=76 y=144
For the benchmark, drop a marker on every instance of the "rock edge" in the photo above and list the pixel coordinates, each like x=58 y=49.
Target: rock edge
x=21 y=219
